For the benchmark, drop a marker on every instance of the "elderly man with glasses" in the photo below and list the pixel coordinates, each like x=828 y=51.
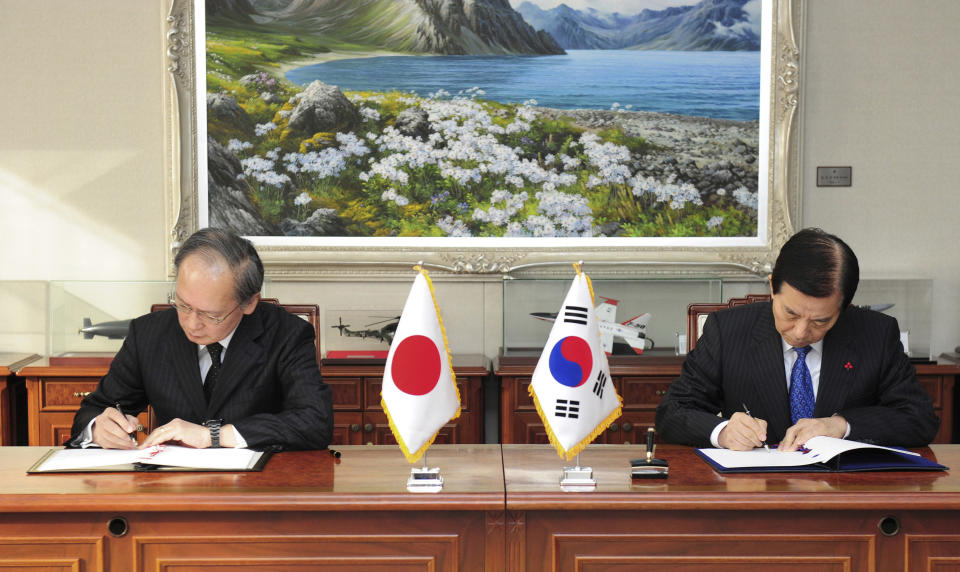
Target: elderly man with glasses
x=220 y=368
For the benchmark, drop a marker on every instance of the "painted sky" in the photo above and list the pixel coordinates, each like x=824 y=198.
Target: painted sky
x=622 y=6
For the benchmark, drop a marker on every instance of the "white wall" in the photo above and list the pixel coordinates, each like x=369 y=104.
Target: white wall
x=81 y=154
x=882 y=94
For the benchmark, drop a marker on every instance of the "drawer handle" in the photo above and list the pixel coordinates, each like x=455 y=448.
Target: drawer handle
x=81 y=394
x=614 y=427
x=355 y=427
x=660 y=392
x=368 y=427
x=628 y=426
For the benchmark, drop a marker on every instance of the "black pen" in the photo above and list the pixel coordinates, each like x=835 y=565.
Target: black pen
x=139 y=425
x=747 y=411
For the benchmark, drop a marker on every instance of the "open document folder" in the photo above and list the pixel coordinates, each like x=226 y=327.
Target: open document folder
x=170 y=457
x=820 y=454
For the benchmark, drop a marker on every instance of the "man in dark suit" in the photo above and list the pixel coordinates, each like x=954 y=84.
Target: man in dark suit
x=748 y=357
x=219 y=368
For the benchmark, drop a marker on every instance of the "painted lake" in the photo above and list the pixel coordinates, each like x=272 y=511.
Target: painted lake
x=720 y=85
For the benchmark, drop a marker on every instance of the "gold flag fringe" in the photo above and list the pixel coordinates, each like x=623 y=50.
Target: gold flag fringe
x=572 y=452
x=415 y=456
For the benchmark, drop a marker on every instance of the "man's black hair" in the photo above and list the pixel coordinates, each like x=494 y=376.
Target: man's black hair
x=817 y=264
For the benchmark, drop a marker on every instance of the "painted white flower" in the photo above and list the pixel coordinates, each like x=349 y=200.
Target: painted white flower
x=235 y=145
x=302 y=199
x=262 y=129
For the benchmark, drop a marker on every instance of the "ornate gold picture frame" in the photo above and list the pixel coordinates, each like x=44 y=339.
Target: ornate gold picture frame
x=303 y=258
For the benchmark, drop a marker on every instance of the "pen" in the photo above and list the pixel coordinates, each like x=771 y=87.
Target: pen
x=747 y=411
x=649 y=444
x=139 y=425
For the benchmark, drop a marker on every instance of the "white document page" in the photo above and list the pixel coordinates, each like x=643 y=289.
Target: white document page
x=819 y=449
x=167 y=455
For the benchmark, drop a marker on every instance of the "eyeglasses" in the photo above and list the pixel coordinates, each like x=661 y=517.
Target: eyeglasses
x=187 y=310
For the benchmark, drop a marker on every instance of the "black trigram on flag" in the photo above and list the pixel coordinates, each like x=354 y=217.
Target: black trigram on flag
x=575 y=315
x=599 y=384
x=569 y=409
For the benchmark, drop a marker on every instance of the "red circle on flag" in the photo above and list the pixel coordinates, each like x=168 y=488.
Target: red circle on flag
x=416 y=365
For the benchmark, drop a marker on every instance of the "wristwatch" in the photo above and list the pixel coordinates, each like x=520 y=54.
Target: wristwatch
x=214 y=426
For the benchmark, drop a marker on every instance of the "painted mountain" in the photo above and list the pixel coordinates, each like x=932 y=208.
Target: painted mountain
x=449 y=27
x=721 y=25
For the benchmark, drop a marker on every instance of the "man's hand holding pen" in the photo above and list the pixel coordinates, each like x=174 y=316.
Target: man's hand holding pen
x=743 y=433
x=112 y=429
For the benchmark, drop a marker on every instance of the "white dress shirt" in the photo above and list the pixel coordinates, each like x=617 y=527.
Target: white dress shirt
x=205 y=361
x=814 y=360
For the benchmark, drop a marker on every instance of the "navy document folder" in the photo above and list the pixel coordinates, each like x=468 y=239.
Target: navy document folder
x=820 y=454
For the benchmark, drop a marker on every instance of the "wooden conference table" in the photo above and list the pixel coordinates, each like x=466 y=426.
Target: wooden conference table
x=501 y=508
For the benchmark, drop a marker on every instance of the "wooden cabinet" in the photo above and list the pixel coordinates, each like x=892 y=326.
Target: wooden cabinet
x=642 y=381
x=11 y=389
x=54 y=393
x=940 y=381
x=359 y=419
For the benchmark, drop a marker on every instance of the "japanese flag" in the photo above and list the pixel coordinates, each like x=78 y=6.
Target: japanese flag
x=419 y=391
x=571 y=385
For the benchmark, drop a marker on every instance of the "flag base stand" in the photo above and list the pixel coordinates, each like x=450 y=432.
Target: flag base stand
x=424 y=479
x=577 y=479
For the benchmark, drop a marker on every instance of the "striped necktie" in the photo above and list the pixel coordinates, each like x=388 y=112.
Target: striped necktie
x=211 y=380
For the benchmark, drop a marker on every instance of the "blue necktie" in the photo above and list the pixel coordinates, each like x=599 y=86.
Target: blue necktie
x=801 y=387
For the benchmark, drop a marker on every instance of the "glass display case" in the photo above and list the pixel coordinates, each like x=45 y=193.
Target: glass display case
x=666 y=300
x=910 y=301
x=528 y=306
x=89 y=319
x=360 y=332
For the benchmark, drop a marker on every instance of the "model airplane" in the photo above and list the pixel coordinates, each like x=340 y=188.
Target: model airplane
x=110 y=330
x=384 y=333
x=633 y=331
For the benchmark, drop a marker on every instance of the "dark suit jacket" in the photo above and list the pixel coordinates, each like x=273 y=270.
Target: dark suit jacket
x=865 y=377
x=269 y=388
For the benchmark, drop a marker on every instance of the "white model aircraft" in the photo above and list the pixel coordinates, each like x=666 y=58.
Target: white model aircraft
x=633 y=331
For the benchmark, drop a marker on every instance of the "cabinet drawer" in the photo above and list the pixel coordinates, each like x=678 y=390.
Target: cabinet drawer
x=643 y=392
x=932 y=384
x=347 y=392
x=64 y=394
x=521 y=394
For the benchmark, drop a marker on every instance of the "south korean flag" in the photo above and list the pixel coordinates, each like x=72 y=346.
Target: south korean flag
x=571 y=385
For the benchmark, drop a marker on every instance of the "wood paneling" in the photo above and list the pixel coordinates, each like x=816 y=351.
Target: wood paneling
x=698 y=519
x=501 y=509
x=306 y=510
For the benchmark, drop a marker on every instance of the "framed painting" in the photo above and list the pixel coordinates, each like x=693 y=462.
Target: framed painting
x=355 y=138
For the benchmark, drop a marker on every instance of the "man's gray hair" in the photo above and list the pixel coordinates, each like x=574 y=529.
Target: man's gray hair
x=216 y=245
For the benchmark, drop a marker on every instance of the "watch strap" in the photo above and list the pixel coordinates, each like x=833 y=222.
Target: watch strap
x=214 y=426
